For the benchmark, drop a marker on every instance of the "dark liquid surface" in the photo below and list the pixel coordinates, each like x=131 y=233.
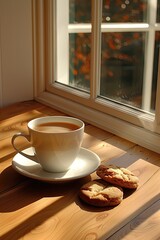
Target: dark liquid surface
x=56 y=127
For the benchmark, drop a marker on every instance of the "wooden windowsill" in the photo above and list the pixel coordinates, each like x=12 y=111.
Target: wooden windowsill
x=32 y=209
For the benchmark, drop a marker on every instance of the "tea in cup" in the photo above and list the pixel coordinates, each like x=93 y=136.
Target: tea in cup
x=55 y=140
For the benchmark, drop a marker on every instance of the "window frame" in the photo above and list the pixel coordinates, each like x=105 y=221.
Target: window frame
x=138 y=126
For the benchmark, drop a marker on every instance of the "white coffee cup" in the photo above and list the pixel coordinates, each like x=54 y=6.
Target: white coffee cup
x=56 y=141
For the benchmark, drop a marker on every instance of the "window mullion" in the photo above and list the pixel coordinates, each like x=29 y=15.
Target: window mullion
x=62 y=54
x=149 y=53
x=124 y=27
x=79 y=28
x=95 y=48
x=152 y=6
x=148 y=69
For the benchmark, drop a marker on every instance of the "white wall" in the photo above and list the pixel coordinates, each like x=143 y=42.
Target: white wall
x=16 y=57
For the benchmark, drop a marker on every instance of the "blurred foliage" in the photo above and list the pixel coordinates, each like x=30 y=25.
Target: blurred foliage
x=80 y=49
x=120 y=67
x=79 y=11
x=124 y=11
x=158 y=11
x=122 y=57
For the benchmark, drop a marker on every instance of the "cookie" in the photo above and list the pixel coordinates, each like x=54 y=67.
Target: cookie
x=101 y=194
x=118 y=175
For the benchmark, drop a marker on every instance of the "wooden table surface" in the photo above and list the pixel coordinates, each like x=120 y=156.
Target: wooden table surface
x=30 y=209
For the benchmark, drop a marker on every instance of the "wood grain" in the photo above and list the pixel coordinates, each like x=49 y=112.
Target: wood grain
x=31 y=209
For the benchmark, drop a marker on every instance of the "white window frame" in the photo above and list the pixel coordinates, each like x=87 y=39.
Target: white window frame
x=140 y=127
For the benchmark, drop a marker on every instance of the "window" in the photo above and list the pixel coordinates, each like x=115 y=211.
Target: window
x=99 y=60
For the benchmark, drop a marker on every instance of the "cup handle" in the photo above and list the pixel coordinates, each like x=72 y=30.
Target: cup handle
x=32 y=157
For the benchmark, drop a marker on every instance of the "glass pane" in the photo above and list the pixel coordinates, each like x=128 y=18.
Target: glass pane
x=155 y=70
x=124 y=11
x=158 y=11
x=122 y=63
x=79 y=11
x=79 y=60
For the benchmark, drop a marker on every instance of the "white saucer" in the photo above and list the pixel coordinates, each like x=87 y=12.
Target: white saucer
x=85 y=163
